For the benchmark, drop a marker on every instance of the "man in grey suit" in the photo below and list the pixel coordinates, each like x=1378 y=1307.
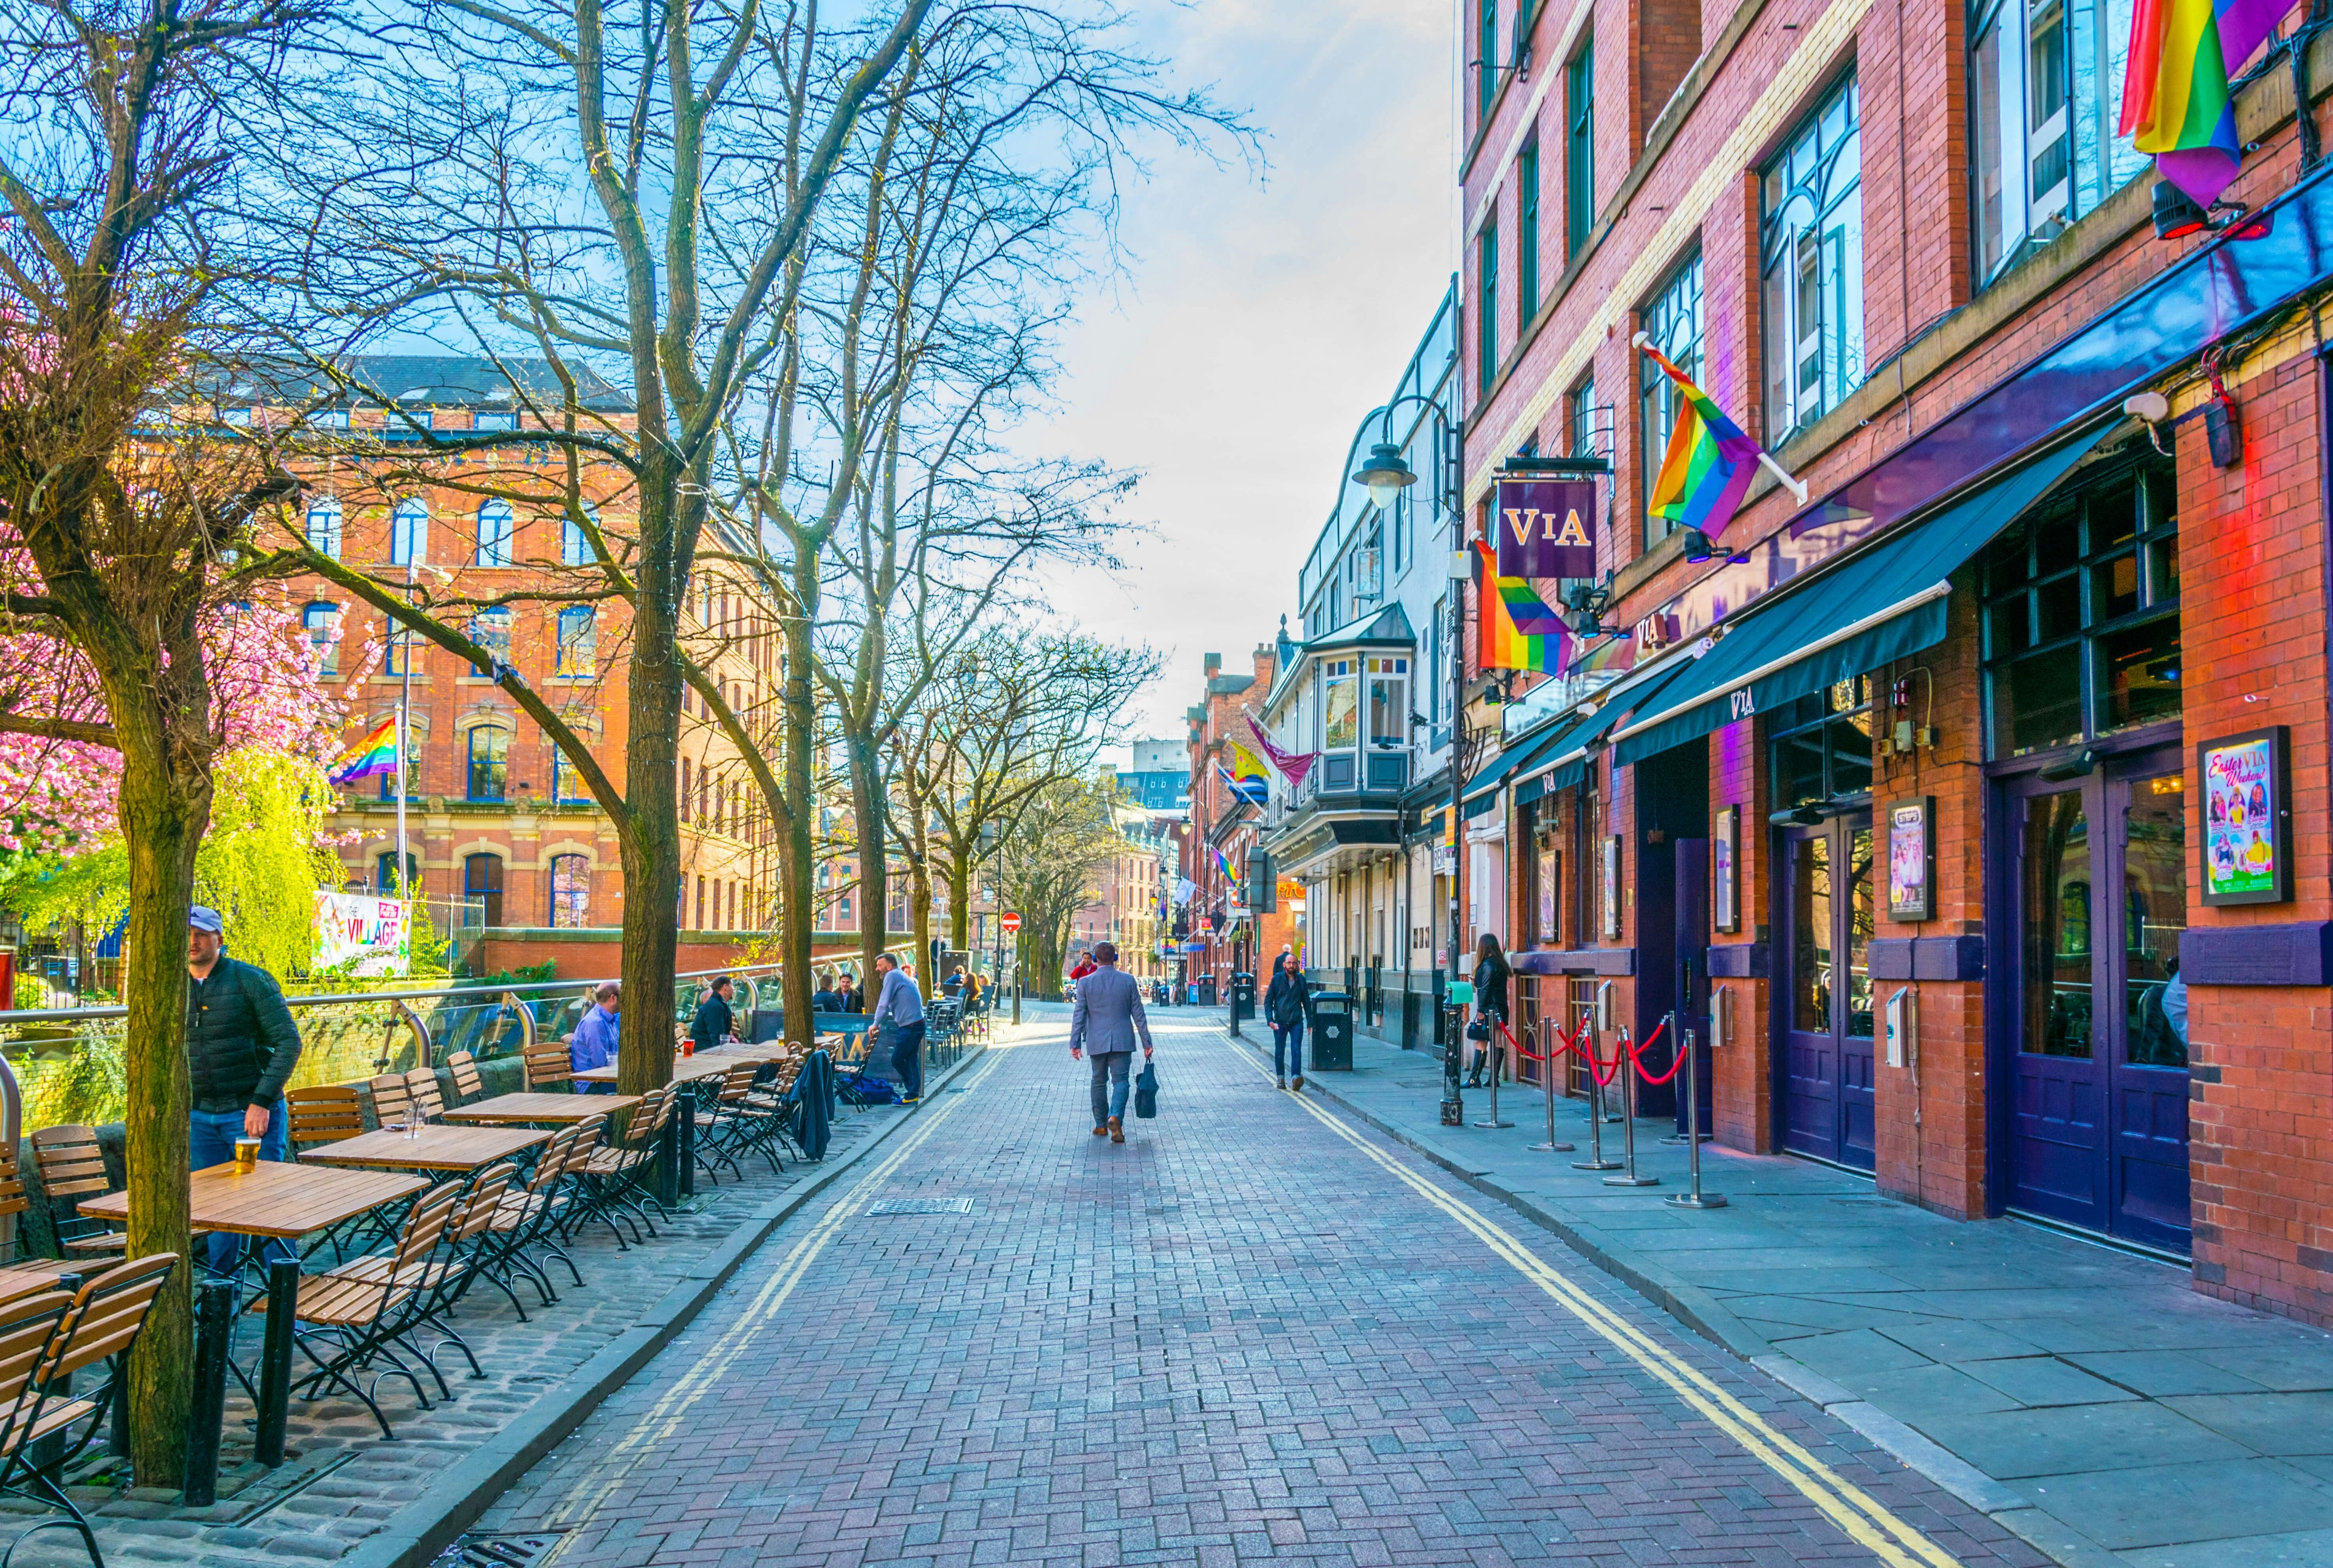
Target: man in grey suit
x=1106 y=1017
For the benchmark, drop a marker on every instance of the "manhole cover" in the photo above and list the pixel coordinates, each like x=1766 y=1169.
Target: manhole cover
x=882 y=1205
x=482 y=1549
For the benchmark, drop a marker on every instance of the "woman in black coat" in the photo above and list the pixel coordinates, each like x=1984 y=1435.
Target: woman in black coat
x=1286 y=1003
x=1491 y=974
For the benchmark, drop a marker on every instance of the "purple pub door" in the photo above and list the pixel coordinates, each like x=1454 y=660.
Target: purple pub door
x=1827 y=913
x=2096 y=1032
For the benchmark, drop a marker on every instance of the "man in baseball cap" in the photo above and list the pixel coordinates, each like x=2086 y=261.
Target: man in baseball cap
x=241 y=1048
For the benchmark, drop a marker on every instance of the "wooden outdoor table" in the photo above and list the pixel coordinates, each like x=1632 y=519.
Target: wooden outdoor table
x=274 y=1198
x=438 y=1149
x=704 y=1064
x=520 y=1110
x=24 y=1279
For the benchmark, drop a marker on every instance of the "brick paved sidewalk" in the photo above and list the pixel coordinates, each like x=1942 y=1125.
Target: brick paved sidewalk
x=1241 y=1337
x=2086 y=1397
x=341 y=1481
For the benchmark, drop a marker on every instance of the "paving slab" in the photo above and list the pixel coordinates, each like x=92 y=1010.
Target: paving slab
x=2032 y=1357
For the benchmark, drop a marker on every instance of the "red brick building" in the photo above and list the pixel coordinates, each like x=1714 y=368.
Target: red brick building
x=1928 y=745
x=1231 y=940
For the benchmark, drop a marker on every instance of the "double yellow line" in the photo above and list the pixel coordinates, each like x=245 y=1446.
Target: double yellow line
x=1859 y=1516
x=669 y=1415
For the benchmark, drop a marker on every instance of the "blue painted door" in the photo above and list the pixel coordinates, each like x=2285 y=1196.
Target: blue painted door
x=2097 y=1116
x=1828 y=911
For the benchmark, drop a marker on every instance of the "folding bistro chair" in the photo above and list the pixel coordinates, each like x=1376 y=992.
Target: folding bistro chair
x=421 y=1087
x=721 y=1128
x=530 y=1218
x=328 y=1113
x=392 y=1098
x=618 y=1173
x=71 y=1170
x=350 y=1319
x=44 y=1339
x=547 y=1066
x=468 y=1085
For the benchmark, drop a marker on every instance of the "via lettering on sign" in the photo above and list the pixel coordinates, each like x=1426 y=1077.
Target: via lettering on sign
x=1744 y=706
x=1548 y=528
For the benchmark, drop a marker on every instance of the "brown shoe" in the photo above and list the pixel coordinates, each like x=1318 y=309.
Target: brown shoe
x=1116 y=1130
x=1103 y=1130
x=1297 y=1081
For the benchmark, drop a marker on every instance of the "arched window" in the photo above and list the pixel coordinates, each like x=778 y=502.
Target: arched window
x=408 y=531
x=489 y=764
x=323 y=621
x=324 y=527
x=384 y=875
x=481 y=880
x=578 y=641
x=497 y=524
x=570 y=890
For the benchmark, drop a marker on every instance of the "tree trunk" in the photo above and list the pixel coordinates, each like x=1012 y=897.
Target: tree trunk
x=650 y=847
x=163 y=813
x=919 y=909
x=959 y=880
x=874 y=882
x=798 y=914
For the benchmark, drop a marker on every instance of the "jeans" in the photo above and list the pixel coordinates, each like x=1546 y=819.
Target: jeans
x=1111 y=1084
x=1287 y=1049
x=210 y=1140
x=908 y=1058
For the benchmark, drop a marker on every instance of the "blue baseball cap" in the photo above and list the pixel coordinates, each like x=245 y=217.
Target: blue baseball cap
x=202 y=918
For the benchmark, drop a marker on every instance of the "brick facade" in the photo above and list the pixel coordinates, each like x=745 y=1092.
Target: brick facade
x=2252 y=589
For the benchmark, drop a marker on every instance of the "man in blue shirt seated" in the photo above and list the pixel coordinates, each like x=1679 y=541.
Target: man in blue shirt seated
x=593 y=1043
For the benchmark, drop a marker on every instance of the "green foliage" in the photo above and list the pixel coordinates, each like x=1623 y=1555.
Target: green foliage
x=525 y=975
x=260 y=864
x=32 y=993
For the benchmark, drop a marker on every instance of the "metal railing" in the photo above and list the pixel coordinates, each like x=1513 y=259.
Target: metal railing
x=69 y=1068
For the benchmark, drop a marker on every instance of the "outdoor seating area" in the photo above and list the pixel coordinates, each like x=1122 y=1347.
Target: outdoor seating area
x=378 y=1273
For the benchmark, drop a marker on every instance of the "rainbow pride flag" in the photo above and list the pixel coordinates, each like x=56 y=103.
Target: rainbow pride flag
x=374 y=753
x=1708 y=467
x=2175 y=101
x=1223 y=864
x=1503 y=643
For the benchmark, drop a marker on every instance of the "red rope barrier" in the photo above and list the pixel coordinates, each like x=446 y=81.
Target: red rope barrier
x=1637 y=1053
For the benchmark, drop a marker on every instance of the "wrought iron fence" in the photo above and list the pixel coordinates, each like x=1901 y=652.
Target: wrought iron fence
x=68 y=1063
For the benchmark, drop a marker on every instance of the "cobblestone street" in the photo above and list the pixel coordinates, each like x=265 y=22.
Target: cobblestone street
x=1253 y=1333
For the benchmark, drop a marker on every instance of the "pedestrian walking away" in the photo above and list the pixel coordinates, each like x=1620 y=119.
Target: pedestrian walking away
x=1490 y=973
x=1286 y=1005
x=1106 y=1018
x=900 y=1007
x=241 y=1048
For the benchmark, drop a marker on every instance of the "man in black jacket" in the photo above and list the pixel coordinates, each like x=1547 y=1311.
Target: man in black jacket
x=714 y=1022
x=241 y=1048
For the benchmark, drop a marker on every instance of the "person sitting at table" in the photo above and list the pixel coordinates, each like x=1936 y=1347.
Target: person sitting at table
x=954 y=985
x=715 y=1023
x=593 y=1043
x=826 y=1000
x=853 y=999
x=241 y=1047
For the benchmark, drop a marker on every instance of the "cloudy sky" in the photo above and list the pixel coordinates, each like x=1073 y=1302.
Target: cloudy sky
x=1260 y=315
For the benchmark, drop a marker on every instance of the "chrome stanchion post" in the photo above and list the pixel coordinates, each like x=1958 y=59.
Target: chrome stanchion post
x=1498 y=1054
x=1546 y=1080
x=1595 y=1161
x=1696 y=1199
x=1628 y=1177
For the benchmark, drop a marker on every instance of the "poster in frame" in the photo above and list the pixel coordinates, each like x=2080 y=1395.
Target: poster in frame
x=2246 y=816
x=1725 y=877
x=1610 y=881
x=1912 y=859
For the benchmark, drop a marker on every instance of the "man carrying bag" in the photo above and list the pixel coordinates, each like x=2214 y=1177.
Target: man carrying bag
x=1106 y=1017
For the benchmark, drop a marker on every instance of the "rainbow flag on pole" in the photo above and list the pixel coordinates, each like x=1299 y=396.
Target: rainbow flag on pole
x=374 y=753
x=1519 y=630
x=2175 y=101
x=1709 y=462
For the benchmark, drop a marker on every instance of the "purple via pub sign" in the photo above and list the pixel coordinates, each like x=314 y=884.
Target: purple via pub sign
x=1546 y=528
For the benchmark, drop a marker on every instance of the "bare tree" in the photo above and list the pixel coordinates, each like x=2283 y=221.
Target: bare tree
x=119 y=522
x=1064 y=836
x=628 y=185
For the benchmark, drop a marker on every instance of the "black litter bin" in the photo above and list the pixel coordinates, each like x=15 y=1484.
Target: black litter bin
x=1243 y=999
x=1332 y=1032
x=1207 y=992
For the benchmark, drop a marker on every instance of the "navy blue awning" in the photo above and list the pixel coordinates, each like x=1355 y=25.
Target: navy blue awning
x=1880 y=603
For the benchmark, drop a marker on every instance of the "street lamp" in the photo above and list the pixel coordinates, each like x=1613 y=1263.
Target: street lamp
x=1386 y=474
